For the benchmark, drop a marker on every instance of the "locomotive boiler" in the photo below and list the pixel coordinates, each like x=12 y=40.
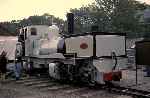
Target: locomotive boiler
x=92 y=57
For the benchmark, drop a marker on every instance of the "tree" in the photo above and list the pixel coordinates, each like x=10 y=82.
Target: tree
x=10 y=28
x=111 y=16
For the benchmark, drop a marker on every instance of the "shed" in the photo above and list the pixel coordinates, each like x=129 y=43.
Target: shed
x=8 y=44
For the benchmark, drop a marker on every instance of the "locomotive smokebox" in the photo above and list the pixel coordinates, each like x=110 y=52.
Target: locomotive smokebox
x=70 y=19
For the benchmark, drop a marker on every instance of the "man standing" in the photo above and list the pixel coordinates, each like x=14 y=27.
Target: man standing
x=18 y=68
x=3 y=63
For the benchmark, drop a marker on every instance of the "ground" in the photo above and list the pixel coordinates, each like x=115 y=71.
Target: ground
x=36 y=88
x=22 y=89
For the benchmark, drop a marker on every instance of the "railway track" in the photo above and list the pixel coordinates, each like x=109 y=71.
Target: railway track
x=130 y=92
x=45 y=84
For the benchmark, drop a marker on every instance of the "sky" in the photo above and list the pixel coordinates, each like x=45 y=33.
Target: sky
x=19 y=9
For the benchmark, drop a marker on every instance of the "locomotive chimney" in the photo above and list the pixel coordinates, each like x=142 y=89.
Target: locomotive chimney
x=70 y=19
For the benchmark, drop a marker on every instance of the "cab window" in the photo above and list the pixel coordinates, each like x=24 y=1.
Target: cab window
x=33 y=31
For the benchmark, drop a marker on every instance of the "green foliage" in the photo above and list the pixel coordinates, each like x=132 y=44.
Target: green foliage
x=111 y=16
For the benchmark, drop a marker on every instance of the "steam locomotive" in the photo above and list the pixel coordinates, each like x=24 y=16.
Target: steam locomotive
x=90 y=57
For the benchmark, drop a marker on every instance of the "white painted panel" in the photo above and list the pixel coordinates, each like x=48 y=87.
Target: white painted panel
x=73 y=45
x=106 y=44
x=44 y=42
x=28 y=47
